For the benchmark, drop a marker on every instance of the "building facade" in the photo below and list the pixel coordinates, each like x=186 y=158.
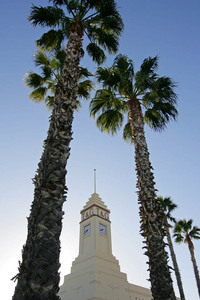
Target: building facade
x=95 y=273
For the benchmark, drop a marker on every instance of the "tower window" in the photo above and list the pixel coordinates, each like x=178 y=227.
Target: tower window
x=87 y=229
x=102 y=229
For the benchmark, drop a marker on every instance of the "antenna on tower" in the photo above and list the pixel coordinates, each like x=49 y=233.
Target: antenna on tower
x=95 y=181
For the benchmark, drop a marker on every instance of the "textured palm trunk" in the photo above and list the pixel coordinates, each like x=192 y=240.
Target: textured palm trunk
x=173 y=257
x=194 y=263
x=151 y=213
x=38 y=277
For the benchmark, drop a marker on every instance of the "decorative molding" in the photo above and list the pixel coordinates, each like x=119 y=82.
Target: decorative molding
x=95 y=210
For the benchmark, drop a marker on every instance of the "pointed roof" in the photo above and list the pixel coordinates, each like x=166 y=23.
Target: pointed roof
x=95 y=200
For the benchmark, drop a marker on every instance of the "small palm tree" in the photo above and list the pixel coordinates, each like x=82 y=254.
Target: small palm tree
x=44 y=84
x=185 y=232
x=141 y=96
x=68 y=21
x=168 y=207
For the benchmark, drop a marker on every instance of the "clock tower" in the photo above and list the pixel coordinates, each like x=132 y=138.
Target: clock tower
x=95 y=273
x=95 y=233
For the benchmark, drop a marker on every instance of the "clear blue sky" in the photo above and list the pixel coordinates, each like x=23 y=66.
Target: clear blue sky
x=167 y=28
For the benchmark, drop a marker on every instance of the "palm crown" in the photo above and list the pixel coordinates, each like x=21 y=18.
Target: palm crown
x=44 y=84
x=184 y=231
x=98 y=19
x=121 y=85
x=168 y=206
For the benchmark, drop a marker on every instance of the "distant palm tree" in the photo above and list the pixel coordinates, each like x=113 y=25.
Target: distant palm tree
x=44 y=84
x=168 y=207
x=185 y=232
x=68 y=20
x=141 y=96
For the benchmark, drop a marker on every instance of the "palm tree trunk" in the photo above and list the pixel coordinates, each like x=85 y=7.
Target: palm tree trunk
x=173 y=257
x=194 y=263
x=151 y=213
x=38 y=277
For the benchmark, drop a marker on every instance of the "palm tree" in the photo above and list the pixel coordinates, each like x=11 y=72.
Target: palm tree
x=185 y=232
x=44 y=84
x=68 y=20
x=141 y=96
x=168 y=206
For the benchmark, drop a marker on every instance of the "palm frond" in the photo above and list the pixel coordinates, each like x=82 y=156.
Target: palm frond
x=84 y=88
x=168 y=206
x=50 y=40
x=96 y=53
x=108 y=12
x=83 y=72
x=49 y=101
x=110 y=121
x=160 y=103
x=111 y=25
x=33 y=80
x=47 y=72
x=108 y=77
x=164 y=88
x=118 y=77
x=146 y=76
x=195 y=233
x=106 y=100
x=149 y=65
x=49 y=16
x=38 y=94
x=54 y=64
x=158 y=116
x=124 y=64
x=105 y=39
x=178 y=238
x=108 y=110
x=59 y=2
x=104 y=26
x=127 y=133
x=41 y=58
x=101 y=102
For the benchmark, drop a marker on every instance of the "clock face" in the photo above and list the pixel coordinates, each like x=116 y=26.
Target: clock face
x=87 y=229
x=102 y=228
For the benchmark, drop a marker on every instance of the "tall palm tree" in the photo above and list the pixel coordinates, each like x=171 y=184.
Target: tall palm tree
x=67 y=20
x=185 y=232
x=168 y=207
x=141 y=96
x=44 y=84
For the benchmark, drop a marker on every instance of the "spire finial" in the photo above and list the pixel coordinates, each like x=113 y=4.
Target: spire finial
x=95 y=181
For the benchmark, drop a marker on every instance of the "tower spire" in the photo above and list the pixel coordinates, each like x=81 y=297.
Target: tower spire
x=95 y=181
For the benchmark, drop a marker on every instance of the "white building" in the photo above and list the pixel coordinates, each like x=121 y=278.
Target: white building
x=95 y=273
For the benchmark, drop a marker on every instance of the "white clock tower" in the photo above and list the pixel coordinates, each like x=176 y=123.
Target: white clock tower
x=95 y=234
x=95 y=273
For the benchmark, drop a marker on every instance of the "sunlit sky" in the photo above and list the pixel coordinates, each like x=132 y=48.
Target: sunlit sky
x=169 y=29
